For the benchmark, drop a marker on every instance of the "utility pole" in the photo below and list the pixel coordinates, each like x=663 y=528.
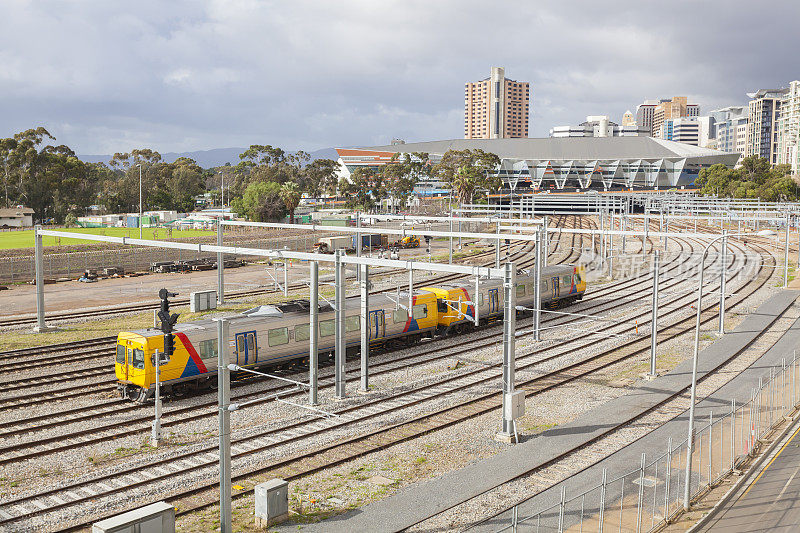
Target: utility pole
x=313 y=333
x=220 y=266
x=654 y=315
x=366 y=328
x=340 y=344
x=155 y=437
x=141 y=213
x=224 y=400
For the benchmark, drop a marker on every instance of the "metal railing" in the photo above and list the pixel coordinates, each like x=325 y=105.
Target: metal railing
x=645 y=498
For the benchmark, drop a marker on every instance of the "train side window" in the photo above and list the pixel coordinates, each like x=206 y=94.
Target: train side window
x=577 y=277
x=302 y=332
x=480 y=298
x=400 y=316
x=240 y=344
x=137 y=359
x=441 y=306
x=326 y=328
x=251 y=342
x=520 y=290
x=420 y=311
x=120 y=354
x=546 y=286
x=278 y=336
x=352 y=323
x=566 y=280
x=208 y=348
x=532 y=288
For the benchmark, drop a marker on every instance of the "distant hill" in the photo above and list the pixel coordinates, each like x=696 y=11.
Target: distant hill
x=211 y=158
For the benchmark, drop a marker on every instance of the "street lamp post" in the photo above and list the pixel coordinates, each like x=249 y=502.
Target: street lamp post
x=690 y=437
x=140 y=199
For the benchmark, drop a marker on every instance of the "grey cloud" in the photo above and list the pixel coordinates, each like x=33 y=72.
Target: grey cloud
x=108 y=76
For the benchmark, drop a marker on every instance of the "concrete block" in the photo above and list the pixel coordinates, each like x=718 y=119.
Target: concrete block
x=154 y=518
x=272 y=502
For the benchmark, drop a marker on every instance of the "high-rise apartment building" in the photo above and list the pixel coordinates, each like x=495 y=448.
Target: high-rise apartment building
x=651 y=114
x=789 y=128
x=676 y=108
x=496 y=108
x=644 y=114
x=763 y=115
x=730 y=124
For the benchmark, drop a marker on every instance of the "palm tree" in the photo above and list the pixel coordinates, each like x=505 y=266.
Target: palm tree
x=290 y=195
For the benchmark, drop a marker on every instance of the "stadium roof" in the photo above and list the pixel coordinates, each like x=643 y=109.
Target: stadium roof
x=586 y=148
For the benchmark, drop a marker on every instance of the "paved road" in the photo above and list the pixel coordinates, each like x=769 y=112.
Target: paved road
x=771 y=502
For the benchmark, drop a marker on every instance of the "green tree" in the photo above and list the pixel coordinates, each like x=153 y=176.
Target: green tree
x=260 y=202
x=290 y=195
x=402 y=173
x=467 y=171
x=320 y=176
x=755 y=178
x=363 y=190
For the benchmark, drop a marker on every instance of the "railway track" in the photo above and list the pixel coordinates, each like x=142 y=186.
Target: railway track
x=596 y=362
x=107 y=385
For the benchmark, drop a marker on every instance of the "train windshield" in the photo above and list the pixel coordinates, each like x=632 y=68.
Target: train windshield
x=120 y=354
x=137 y=359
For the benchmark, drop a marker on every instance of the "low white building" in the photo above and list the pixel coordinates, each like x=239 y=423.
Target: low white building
x=16 y=217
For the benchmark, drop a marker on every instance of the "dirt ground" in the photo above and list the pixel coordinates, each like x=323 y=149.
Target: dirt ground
x=71 y=295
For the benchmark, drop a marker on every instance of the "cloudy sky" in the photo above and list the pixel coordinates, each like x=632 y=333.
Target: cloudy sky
x=106 y=76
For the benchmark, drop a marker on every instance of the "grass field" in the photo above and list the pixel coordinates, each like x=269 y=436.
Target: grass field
x=24 y=239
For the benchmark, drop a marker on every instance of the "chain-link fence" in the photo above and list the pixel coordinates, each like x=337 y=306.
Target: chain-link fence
x=645 y=498
x=137 y=258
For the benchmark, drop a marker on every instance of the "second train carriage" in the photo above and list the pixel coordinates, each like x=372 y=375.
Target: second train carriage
x=270 y=335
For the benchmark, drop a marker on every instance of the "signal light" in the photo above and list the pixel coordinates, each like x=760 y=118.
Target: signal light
x=169 y=344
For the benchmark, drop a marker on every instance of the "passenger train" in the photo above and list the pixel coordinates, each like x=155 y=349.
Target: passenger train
x=271 y=335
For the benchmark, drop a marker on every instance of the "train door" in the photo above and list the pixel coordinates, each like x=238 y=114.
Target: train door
x=246 y=347
x=556 y=287
x=377 y=324
x=494 y=301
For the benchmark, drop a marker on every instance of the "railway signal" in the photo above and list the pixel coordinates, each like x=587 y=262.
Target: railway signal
x=167 y=321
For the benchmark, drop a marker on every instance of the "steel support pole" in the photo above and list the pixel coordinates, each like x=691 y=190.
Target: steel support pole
x=624 y=229
x=339 y=318
x=155 y=436
x=611 y=256
x=654 y=315
x=451 y=237
x=39 y=266
x=140 y=202
x=537 y=286
x=693 y=397
x=497 y=248
x=545 y=240
x=220 y=268
x=358 y=242
x=410 y=291
x=723 y=269
x=224 y=394
x=313 y=334
x=786 y=256
x=366 y=328
x=285 y=277
x=509 y=341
